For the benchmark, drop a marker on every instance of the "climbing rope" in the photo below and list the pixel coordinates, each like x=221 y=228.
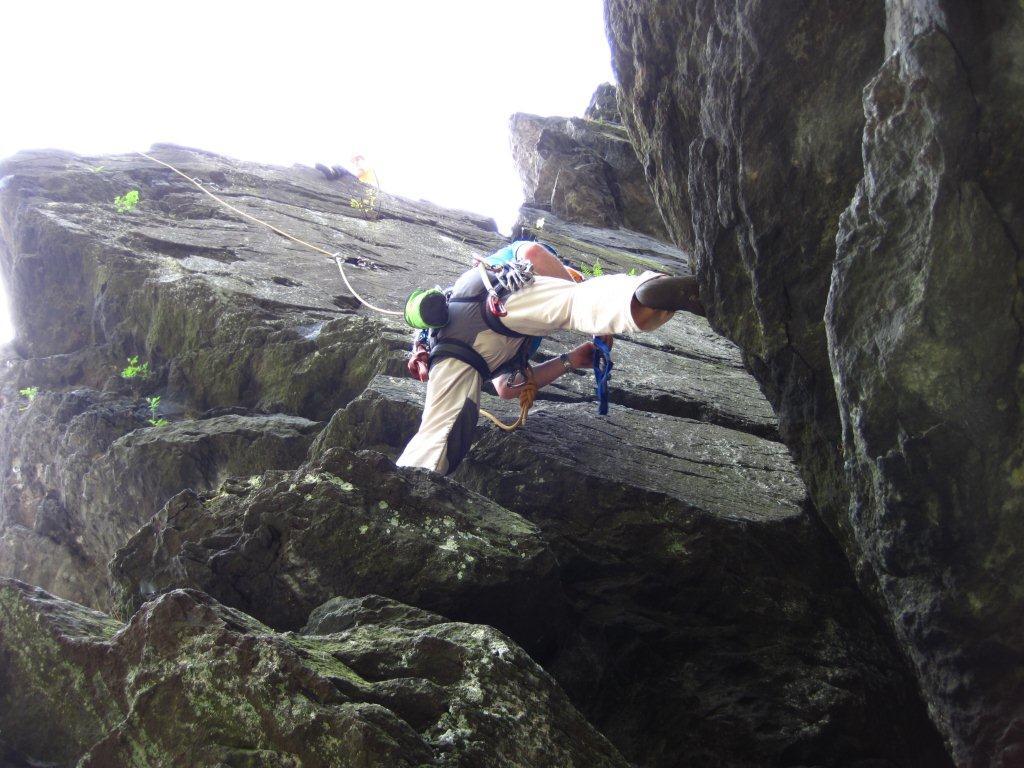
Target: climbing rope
x=271 y=227
x=526 y=398
x=602 y=372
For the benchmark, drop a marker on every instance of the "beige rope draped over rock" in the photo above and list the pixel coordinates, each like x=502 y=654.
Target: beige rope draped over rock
x=271 y=227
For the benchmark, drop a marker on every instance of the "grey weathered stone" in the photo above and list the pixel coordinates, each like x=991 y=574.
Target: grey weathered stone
x=604 y=104
x=86 y=469
x=502 y=710
x=868 y=155
x=924 y=327
x=618 y=250
x=700 y=600
x=750 y=134
x=684 y=546
x=189 y=681
x=233 y=321
x=584 y=170
x=279 y=544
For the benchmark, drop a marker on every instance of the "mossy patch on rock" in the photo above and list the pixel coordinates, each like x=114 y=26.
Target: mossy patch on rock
x=190 y=681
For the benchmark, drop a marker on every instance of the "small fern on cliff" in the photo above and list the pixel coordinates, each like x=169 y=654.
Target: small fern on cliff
x=127 y=201
x=154 y=405
x=366 y=204
x=134 y=370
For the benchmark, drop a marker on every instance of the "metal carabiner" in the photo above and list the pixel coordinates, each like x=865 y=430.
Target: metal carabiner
x=495 y=305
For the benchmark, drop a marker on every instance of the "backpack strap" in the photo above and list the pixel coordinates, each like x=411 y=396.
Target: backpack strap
x=461 y=351
x=490 y=320
x=493 y=322
x=517 y=364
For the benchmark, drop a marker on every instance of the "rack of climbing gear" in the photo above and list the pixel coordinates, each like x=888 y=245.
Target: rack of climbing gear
x=510 y=276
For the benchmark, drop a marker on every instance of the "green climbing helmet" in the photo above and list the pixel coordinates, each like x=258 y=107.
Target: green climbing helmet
x=427 y=309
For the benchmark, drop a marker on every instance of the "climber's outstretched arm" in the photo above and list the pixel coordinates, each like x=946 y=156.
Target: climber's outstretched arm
x=545 y=373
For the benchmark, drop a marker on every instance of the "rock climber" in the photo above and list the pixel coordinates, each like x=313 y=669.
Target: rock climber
x=478 y=342
x=364 y=172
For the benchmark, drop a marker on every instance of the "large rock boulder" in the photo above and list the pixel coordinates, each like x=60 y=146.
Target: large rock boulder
x=189 y=681
x=584 y=169
x=604 y=104
x=847 y=176
x=751 y=137
x=88 y=468
x=247 y=339
x=278 y=544
x=924 y=328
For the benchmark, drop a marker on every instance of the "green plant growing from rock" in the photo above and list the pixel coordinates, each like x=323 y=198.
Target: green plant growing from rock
x=154 y=405
x=29 y=393
x=134 y=370
x=127 y=201
x=367 y=203
x=595 y=270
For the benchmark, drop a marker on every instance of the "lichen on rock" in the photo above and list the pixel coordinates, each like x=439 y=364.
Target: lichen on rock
x=191 y=682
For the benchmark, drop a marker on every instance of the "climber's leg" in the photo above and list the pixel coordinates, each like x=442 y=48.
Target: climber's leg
x=671 y=293
x=601 y=305
x=449 y=416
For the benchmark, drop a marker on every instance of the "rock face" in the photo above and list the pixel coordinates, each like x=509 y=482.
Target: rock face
x=658 y=523
x=248 y=343
x=87 y=470
x=661 y=563
x=281 y=543
x=372 y=683
x=847 y=177
x=585 y=169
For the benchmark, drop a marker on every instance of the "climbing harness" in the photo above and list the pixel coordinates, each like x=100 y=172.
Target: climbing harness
x=602 y=372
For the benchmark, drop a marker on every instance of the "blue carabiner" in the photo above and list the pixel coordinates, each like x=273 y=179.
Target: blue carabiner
x=602 y=372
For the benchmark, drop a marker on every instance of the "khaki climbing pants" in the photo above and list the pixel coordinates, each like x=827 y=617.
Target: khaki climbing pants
x=600 y=305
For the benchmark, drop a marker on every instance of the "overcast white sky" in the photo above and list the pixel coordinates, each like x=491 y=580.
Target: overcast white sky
x=423 y=89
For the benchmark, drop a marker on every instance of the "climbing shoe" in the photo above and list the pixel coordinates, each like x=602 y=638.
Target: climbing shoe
x=671 y=294
x=333 y=173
